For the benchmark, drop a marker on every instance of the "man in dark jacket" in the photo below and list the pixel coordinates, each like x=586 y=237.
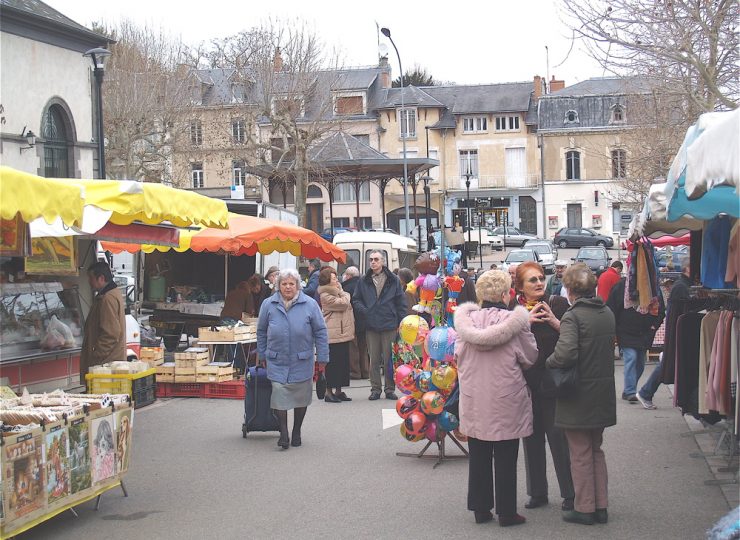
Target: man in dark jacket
x=381 y=302
x=635 y=334
x=359 y=362
x=314 y=265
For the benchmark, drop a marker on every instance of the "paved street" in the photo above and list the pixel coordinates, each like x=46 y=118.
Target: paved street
x=194 y=476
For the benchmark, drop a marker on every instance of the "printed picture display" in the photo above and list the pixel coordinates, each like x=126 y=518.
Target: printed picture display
x=123 y=430
x=52 y=256
x=24 y=470
x=79 y=455
x=103 y=453
x=13 y=237
x=57 y=464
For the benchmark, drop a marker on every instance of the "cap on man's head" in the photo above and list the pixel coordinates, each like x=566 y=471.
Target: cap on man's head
x=561 y=262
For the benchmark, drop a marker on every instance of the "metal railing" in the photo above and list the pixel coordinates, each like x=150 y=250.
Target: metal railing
x=496 y=181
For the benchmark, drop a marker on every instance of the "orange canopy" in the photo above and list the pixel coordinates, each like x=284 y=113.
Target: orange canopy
x=248 y=235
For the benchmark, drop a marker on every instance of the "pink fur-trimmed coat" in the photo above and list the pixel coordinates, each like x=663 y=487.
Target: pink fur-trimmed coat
x=493 y=347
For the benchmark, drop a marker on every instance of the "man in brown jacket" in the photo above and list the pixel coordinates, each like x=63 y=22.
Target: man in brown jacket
x=105 y=327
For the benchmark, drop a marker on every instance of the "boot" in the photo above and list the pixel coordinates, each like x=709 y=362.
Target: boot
x=282 y=417
x=299 y=413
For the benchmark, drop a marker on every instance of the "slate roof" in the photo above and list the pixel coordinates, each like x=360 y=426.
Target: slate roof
x=40 y=10
x=593 y=100
x=355 y=79
x=483 y=98
x=342 y=146
x=412 y=95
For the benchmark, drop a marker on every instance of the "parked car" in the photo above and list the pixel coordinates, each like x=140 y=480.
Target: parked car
x=326 y=234
x=547 y=252
x=512 y=236
x=670 y=261
x=518 y=256
x=495 y=241
x=579 y=236
x=597 y=258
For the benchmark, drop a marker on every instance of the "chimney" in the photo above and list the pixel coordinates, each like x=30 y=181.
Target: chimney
x=385 y=73
x=537 y=87
x=556 y=85
x=277 y=61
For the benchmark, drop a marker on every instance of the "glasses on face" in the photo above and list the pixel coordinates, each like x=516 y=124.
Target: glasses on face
x=535 y=279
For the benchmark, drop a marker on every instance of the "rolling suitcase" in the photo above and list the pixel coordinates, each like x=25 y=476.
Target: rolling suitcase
x=258 y=415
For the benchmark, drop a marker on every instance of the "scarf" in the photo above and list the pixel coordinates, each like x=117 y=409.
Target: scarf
x=529 y=304
x=287 y=304
x=498 y=305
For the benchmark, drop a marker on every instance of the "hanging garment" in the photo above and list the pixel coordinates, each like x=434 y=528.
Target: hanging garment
x=715 y=246
x=686 y=380
x=725 y=399
x=706 y=341
x=733 y=256
x=711 y=398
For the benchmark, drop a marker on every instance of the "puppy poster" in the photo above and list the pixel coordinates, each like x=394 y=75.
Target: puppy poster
x=103 y=455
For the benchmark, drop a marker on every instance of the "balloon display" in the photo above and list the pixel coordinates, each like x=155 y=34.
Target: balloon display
x=406 y=405
x=432 y=403
x=413 y=329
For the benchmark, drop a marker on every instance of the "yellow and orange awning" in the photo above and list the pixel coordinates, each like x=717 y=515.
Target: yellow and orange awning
x=247 y=235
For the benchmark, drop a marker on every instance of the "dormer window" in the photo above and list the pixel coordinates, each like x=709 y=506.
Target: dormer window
x=475 y=124
x=292 y=106
x=618 y=114
x=571 y=117
x=349 y=103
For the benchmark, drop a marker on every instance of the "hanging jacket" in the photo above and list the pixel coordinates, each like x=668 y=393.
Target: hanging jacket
x=635 y=330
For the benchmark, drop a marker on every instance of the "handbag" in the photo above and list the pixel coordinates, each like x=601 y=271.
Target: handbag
x=559 y=382
x=321 y=386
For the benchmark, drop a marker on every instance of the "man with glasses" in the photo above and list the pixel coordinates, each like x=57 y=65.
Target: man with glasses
x=555 y=283
x=381 y=302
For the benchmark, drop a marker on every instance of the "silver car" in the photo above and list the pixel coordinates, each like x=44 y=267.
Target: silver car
x=513 y=236
x=547 y=252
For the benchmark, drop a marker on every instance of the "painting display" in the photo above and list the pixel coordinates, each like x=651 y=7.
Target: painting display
x=52 y=256
x=57 y=465
x=103 y=453
x=14 y=237
x=79 y=455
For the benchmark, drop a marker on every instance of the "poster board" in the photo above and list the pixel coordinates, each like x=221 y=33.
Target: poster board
x=52 y=255
x=48 y=470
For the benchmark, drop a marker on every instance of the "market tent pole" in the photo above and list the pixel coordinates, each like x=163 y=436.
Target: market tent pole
x=226 y=274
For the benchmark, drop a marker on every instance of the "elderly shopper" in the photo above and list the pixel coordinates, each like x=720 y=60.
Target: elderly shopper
x=586 y=344
x=291 y=332
x=340 y=323
x=544 y=319
x=493 y=348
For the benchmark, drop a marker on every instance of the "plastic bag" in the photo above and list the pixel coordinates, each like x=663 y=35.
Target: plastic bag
x=68 y=339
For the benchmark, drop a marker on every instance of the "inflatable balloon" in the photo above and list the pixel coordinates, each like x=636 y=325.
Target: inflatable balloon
x=424 y=382
x=415 y=423
x=448 y=421
x=411 y=437
x=432 y=403
x=440 y=342
x=404 y=378
x=406 y=405
x=413 y=329
x=444 y=376
x=434 y=432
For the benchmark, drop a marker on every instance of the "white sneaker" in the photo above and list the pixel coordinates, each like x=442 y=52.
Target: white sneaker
x=646 y=403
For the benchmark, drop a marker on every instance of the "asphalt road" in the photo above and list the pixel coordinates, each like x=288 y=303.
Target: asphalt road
x=192 y=475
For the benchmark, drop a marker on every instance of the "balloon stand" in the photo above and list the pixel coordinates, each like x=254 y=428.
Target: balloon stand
x=441 y=455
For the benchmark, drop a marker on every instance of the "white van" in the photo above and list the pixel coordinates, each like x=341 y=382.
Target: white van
x=400 y=251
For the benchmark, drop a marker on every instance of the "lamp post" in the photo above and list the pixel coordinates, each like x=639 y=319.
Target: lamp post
x=97 y=56
x=387 y=33
x=467 y=200
x=427 y=203
x=480 y=238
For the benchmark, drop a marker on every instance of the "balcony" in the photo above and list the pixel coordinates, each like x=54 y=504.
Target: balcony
x=497 y=181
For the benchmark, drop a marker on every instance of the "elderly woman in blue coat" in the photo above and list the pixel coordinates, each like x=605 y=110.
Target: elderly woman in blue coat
x=291 y=332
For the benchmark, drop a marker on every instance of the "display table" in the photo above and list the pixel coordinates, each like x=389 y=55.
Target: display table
x=213 y=348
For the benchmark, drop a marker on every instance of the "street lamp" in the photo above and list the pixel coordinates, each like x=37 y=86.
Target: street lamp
x=467 y=175
x=387 y=33
x=427 y=203
x=480 y=238
x=97 y=56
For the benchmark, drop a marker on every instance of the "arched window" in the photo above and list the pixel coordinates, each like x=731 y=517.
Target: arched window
x=573 y=165
x=571 y=117
x=314 y=192
x=618 y=114
x=56 y=142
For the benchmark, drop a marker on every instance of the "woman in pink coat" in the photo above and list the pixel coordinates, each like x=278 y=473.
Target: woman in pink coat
x=494 y=345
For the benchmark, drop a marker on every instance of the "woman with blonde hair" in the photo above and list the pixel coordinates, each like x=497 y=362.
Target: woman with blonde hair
x=586 y=344
x=493 y=348
x=336 y=307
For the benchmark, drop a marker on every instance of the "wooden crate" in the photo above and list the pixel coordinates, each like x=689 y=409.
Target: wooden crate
x=210 y=378
x=226 y=333
x=192 y=353
x=249 y=321
x=216 y=368
x=185 y=378
x=150 y=354
x=167 y=368
x=162 y=378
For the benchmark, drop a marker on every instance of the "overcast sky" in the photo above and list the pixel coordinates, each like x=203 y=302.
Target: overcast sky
x=472 y=42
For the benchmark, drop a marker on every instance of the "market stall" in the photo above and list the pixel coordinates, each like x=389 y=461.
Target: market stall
x=59 y=450
x=49 y=232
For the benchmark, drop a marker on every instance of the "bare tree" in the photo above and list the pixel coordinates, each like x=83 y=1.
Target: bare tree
x=690 y=46
x=143 y=94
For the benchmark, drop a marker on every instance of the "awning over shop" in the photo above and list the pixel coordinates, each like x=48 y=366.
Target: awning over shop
x=709 y=171
x=247 y=235
x=653 y=222
x=34 y=197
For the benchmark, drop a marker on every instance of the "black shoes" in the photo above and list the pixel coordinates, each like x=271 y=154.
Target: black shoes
x=574 y=516
x=374 y=396
x=341 y=396
x=510 y=521
x=391 y=395
x=483 y=517
x=567 y=505
x=296 y=440
x=331 y=398
x=283 y=441
x=601 y=515
x=535 y=502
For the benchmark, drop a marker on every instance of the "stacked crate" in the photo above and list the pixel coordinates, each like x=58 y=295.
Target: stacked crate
x=215 y=372
x=166 y=372
x=227 y=334
x=188 y=362
x=154 y=356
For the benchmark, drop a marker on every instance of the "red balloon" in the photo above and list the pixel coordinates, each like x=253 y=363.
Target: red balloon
x=415 y=423
x=406 y=405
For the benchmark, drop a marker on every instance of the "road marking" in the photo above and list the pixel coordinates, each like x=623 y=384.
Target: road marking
x=390 y=418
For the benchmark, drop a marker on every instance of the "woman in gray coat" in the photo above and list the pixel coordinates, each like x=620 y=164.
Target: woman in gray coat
x=586 y=343
x=291 y=332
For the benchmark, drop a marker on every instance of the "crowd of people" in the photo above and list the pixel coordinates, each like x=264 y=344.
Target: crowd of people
x=513 y=328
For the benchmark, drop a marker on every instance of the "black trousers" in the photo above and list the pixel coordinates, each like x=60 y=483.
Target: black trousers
x=485 y=458
x=535 y=460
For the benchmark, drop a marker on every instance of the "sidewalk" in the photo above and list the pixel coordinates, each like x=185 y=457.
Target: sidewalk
x=192 y=475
